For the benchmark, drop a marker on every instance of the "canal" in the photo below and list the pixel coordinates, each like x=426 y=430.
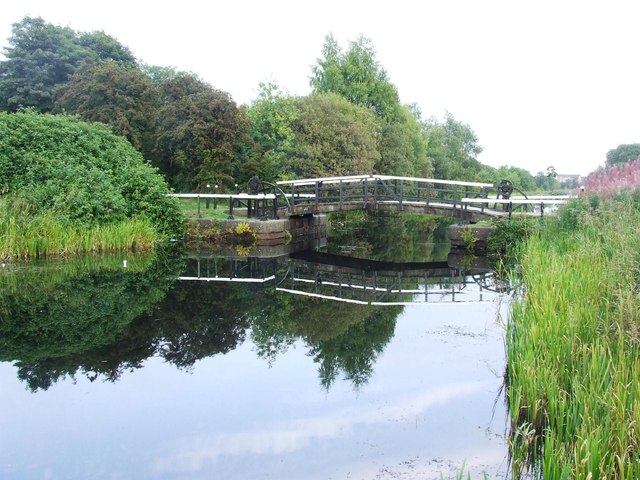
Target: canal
x=378 y=355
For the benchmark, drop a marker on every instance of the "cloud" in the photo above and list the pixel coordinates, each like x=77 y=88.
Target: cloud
x=192 y=454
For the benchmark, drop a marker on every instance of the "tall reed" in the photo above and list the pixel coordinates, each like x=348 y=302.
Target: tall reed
x=33 y=236
x=574 y=350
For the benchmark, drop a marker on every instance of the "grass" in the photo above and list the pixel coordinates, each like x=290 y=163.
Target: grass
x=574 y=349
x=34 y=236
x=189 y=208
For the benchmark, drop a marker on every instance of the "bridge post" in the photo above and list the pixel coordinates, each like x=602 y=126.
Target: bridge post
x=365 y=200
x=199 y=216
x=341 y=195
x=230 y=216
x=275 y=202
x=375 y=194
x=401 y=194
x=428 y=195
x=317 y=195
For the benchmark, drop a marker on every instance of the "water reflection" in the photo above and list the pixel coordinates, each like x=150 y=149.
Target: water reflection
x=406 y=359
x=357 y=281
x=94 y=317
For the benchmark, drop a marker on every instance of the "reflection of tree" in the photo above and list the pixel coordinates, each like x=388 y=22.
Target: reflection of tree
x=342 y=338
x=199 y=320
x=97 y=319
x=354 y=351
x=390 y=236
x=51 y=318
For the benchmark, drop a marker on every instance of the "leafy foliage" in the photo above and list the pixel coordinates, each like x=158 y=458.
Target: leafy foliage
x=332 y=137
x=199 y=132
x=115 y=94
x=272 y=117
x=41 y=57
x=357 y=76
x=453 y=148
x=623 y=154
x=519 y=177
x=81 y=172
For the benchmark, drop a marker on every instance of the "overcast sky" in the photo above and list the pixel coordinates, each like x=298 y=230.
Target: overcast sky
x=541 y=83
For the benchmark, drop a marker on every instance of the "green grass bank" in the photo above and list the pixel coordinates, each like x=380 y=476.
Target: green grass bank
x=573 y=346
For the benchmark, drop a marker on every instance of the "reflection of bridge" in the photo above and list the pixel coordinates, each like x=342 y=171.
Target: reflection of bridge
x=352 y=280
x=466 y=200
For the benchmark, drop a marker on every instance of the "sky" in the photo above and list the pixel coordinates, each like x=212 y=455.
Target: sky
x=544 y=83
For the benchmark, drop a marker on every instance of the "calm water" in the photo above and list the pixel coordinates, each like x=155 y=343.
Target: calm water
x=215 y=366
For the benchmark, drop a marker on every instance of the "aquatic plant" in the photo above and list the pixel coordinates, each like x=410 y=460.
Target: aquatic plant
x=33 y=236
x=574 y=349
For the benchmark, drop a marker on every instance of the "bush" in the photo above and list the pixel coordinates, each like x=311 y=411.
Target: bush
x=81 y=172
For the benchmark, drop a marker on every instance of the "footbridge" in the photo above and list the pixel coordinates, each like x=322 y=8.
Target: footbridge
x=468 y=201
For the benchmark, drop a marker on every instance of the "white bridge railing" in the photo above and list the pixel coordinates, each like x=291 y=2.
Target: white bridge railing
x=317 y=195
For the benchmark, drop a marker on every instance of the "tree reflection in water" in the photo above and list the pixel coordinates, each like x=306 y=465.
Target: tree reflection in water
x=91 y=316
x=100 y=320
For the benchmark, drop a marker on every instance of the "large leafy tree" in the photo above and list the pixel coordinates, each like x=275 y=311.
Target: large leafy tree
x=356 y=75
x=403 y=146
x=272 y=117
x=199 y=133
x=79 y=171
x=623 y=153
x=105 y=47
x=42 y=56
x=332 y=137
x=115 y=94
x=519 y=177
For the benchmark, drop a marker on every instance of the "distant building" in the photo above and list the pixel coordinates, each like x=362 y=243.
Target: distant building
x=569 y=181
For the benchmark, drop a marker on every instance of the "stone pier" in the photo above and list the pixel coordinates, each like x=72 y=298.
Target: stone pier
x=278 y=232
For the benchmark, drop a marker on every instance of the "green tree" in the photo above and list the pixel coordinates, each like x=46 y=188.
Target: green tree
x=453 y=148
x=199 y=133
x=623 y=153
x=272 y=117
x=332 y=137
x=115 y=94
x=80 y=171
x=519 y=177
x=41 y=56
x=546 y=182
x=104 y=47
x=158 y=75
x=356 y=75
x=403 y=147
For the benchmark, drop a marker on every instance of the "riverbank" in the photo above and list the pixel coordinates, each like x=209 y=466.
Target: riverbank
x=23 y=237
x=574 y=347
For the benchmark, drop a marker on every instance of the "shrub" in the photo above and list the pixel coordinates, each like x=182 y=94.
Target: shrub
x=81 y=172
